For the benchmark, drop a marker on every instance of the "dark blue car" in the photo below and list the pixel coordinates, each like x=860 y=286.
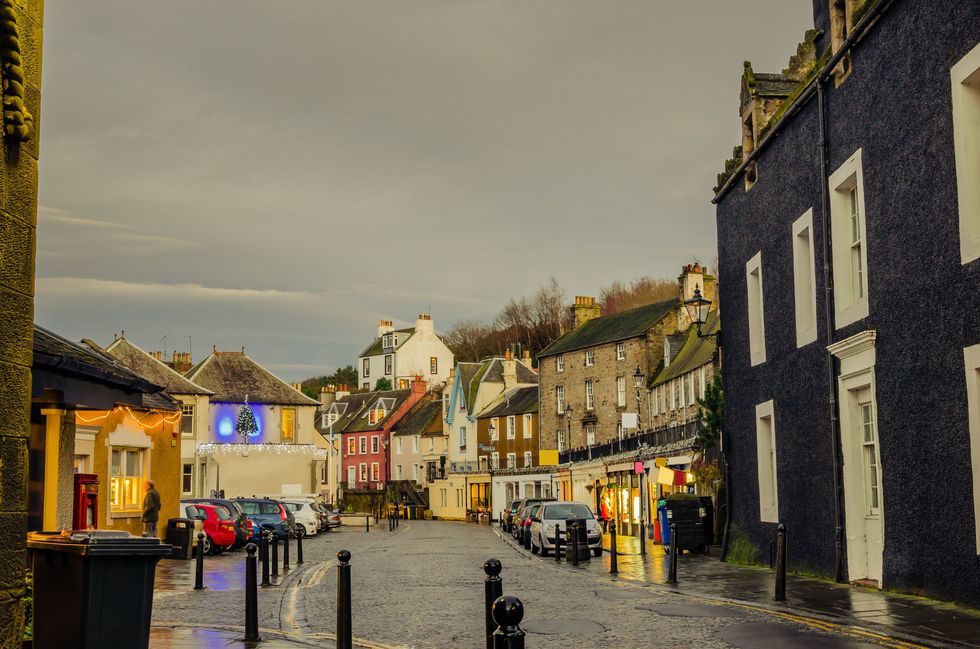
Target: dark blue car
x=266 y=514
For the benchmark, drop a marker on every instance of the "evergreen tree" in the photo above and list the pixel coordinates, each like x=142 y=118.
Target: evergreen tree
x=246 y=426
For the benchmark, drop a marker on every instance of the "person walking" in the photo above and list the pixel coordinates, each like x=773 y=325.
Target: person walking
x=604 y=513
x=151 y=509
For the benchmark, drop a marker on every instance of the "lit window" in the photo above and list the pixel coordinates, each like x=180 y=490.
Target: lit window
x=849 y=234
x=125 y=483
x=756 y=313
x=765 y=435
x=560 y=363
x=620 y=391
x=527 y=426
x=589 y=395
x=351 y=446
x=804 y=280
x=375 y=472
x=620 y=351
x=965 y=77
x=288 y=428
x=589 y=357
x=362 y=468
x=187 y=419
x=511 y=427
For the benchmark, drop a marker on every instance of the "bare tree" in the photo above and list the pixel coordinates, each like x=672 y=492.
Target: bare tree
x=618 y=296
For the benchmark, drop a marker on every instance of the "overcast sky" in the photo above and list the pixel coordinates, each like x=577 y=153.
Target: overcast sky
x=282 y=175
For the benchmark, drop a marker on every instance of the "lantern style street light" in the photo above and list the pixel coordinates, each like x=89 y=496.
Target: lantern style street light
x=492 y=430
x=638 y=381
x=697 y=308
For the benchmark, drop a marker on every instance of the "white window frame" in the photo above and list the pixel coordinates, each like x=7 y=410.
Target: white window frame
x=850 y=280
x=495 y=424
x=560 y=437
x=756 y=310
x=389 y=364
x=527 y=425
x=187 y=415
x=512 y=460
x=620 y=391
x=971 y=361
x=415 y=443
x=366 y=368
x=804 y=280
x=528 y=458
x=462 y=437
x=187 y=477
x=433 y=364
x=560 y=363
x=766 y=456
x=965 y=77
x=560 y=398
x=589 y=395
x=119 y=483
x=375 y=472
x=620 y=351
x=375 y=444
x=511 y=427
x=589 y=357
x=362 y=472
x=590 y=435
x=352 y=445
x=399 y=472
x=495 y=460
x=362 y=445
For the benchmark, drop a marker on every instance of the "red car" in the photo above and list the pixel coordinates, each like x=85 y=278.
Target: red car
x=219 y=528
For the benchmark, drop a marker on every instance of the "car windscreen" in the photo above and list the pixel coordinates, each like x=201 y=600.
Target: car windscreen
x=294 y=506
x=222 y=513
x=566 y=511
x=253 y=508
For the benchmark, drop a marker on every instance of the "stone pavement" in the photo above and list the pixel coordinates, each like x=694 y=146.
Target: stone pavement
x=909 y=618
x=422 y=586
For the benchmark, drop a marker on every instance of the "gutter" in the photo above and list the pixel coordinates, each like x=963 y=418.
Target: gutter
x=857 y=34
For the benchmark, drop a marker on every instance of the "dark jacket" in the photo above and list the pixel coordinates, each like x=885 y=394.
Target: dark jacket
x=151 y=506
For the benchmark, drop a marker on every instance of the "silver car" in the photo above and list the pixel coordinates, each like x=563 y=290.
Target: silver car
x=551 y=514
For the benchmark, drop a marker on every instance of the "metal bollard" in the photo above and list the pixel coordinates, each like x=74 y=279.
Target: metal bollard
x=285 y=552
x=251 y=595
x=274 y=540
x=299 y=549
x=557 y=547
x=672 y=569
x=780 y=594
x=643 y=538
x=367 y=523
x=508 y=611
x=199 y=568
x=613 y=550
x=574 y=544
x=264 y=551
x=344 y=637
x=493 y=588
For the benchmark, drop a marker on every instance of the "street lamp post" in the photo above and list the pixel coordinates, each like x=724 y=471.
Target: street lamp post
x=697 y=308
x=638 y=378
x=568 y=421
x=492 y=432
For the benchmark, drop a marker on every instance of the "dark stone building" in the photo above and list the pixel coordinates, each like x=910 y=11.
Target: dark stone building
x=849 y=237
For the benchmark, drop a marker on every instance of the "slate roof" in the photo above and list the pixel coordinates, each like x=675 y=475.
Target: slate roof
x=491 y=370
x=611 y=328
x=360 y=422
x=160 y=373
x=426 y=418
x=695 y=353
x=233 y=375
x=61 y=355
x=466 y=372
x=376 y=348
x=516 y=402
x=676 y=343
x=347 y=408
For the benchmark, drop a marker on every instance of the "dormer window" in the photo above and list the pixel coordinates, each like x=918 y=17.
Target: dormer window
x=376 y=414
x=666 y=352
x=388 y=341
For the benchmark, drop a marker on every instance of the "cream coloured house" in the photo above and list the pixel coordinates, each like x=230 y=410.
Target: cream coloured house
x=400 y=355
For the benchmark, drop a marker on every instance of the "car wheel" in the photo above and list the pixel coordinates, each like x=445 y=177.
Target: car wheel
x=208 y=545
x=544 y=550
x=300 y=529
x=597 y=552
x=534 y=548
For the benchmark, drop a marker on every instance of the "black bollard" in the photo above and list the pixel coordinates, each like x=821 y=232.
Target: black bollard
x=264 y=552
x=367 y=523
x=672 y=569
x=643 y=538
x=613 y=550
x=780 y=594
x=274 y=540
x=557 y=547
x=251 y=595
x=285 y=552
x=526 y=537
x=299 y=549
x=344 y=638
x=199 y=568
x=574 y=539
x=493 y=588
x=508 y=611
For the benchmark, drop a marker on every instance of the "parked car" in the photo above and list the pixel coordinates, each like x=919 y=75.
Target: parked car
x=330 y=517
x=217 y=525
x=522 y=523
x=551 y=514
x=306 y=516
x=243 y=533
x=509 y=514
x=266 y=514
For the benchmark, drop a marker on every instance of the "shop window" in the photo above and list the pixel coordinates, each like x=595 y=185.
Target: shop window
x=126 y=480
x=765 y=435
x=971 y=357
x=756 y=314
x=187 y=419
x=804 y=280
x=187 y=478
x=966 y=145
x=288 y=430
x=849 y=237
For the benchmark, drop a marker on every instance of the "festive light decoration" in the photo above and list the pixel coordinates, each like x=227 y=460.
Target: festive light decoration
x=246 y=426
x=173 y=419
x=210 y=448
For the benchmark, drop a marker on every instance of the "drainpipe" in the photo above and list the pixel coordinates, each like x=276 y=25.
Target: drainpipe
x=839 y=556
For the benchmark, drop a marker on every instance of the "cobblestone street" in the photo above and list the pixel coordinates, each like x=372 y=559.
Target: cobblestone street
x=422 y=586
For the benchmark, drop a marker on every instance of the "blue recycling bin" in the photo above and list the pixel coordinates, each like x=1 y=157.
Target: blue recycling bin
x=663 y=515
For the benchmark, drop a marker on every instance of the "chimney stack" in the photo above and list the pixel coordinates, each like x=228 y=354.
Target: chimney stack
x=585 y=309
x=385 y=326
x=424 y=324
x=328 y=394
x=419 y=385
x=510 y=372
x=343 y=391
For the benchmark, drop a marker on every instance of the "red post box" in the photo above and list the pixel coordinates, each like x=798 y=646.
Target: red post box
x=85 y=512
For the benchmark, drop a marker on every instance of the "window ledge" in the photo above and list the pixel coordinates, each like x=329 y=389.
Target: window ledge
x=125 y=513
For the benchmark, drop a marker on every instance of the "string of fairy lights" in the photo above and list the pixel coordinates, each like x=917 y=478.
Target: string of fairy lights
x=163 y=419
x=212 y=448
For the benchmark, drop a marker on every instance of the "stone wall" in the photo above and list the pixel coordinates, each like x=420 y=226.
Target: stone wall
x=18 y=219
